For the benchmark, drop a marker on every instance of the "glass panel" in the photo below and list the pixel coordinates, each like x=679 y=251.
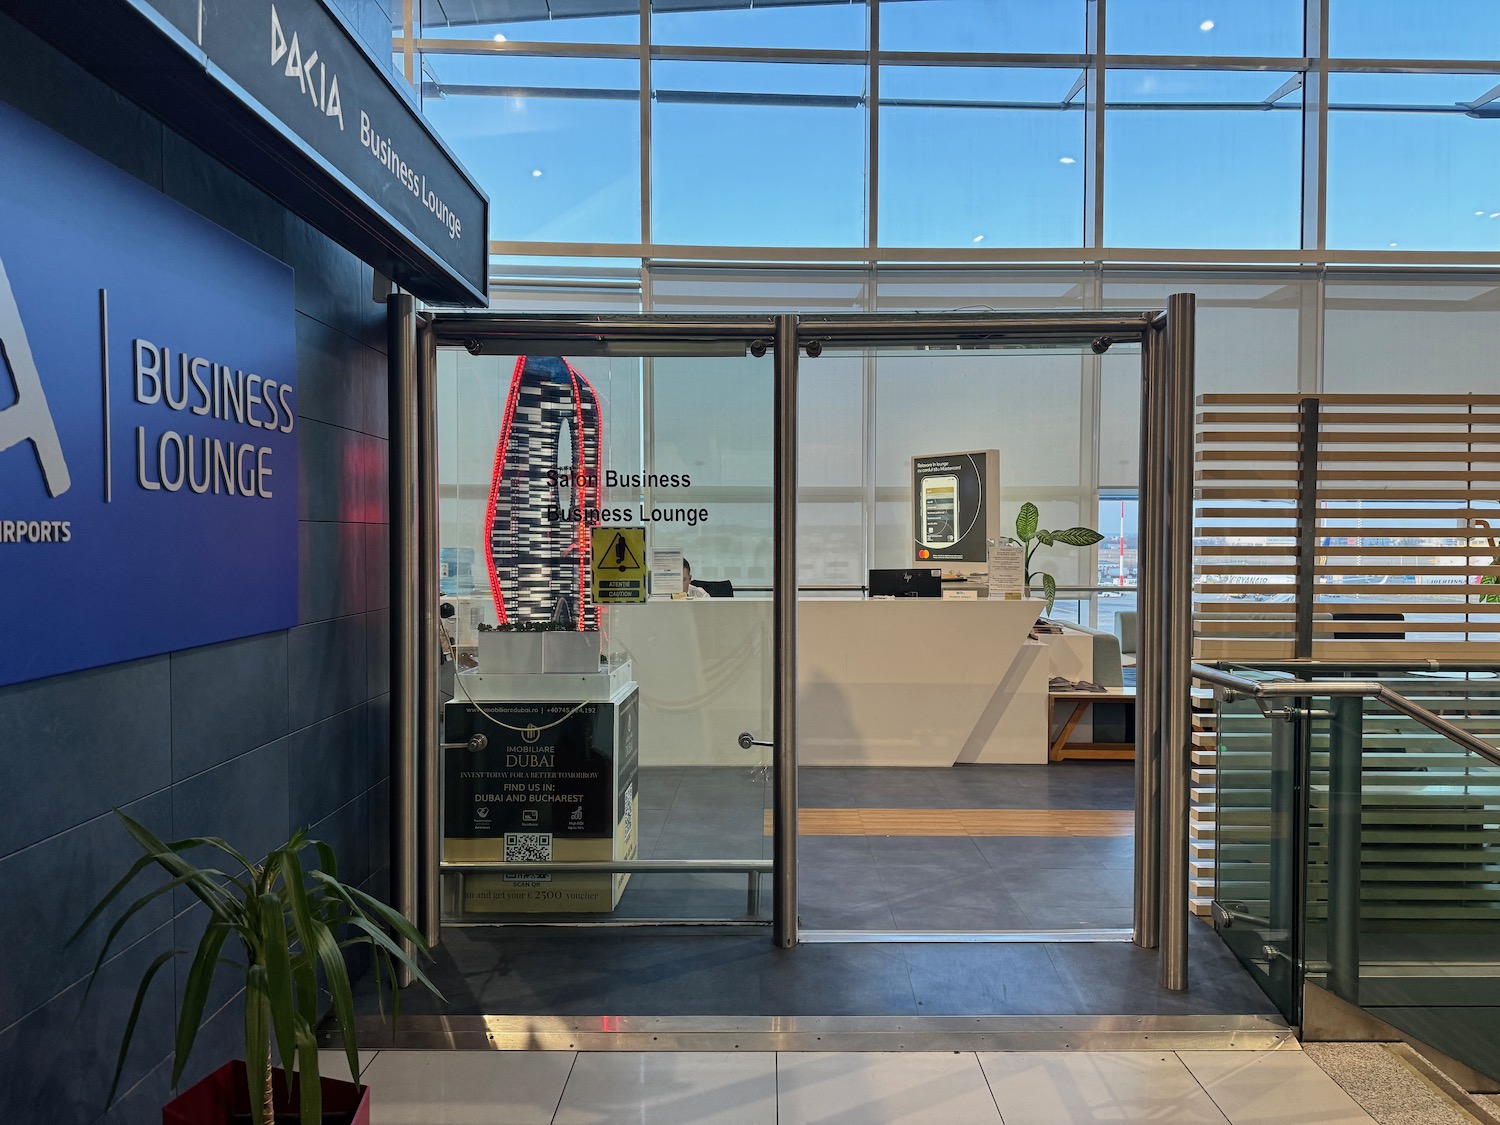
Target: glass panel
x=1031 y=26
x=1117 y=459
x=617 y=21
x=912 y=290
x=1408 y=167
x=800 y=26
x=1396 y=29
x=1377 y=333
x=925 y=722
x=1119 y=519
x=515 y=125
x=635 y=755
x=1256 y=860
x=830 y=472
x=1025 y=405
x=712 y=423
x=1191 y=27
x=1238 y=182
x=1248 y=334
x=1404 y=867
x=980 y=157
x=758 y=154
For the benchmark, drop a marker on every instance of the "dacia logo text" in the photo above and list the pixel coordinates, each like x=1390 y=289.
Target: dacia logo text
x=310 y=72
x=27 y=418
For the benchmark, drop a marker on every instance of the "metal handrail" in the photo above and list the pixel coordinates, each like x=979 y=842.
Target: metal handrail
x=862 y=586
x=1420 y=664
x=611 y=866
x=1260 y=692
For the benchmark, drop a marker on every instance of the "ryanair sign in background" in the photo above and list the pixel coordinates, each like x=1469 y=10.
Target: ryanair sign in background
x=148 y=419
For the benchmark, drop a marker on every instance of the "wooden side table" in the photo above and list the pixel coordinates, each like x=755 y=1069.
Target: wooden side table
x=1060 y=748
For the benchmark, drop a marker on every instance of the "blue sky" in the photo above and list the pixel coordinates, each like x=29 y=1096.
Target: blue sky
x=953 y=175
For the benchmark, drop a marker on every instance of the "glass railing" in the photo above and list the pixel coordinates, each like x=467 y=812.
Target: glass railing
x=1358 y=845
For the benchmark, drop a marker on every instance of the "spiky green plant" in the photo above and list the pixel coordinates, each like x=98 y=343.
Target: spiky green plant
x=1030 y=536
x=288 y=921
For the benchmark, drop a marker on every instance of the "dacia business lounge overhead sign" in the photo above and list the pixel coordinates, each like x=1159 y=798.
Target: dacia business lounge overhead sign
x=148 y=419
x=282 y=92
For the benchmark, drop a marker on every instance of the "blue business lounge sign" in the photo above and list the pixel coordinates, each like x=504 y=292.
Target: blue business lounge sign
x=148 y=419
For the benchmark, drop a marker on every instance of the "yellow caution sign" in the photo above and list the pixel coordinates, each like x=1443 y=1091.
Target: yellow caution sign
x=619 y=570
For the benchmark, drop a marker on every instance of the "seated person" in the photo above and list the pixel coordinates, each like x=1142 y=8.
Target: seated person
x=687 y=582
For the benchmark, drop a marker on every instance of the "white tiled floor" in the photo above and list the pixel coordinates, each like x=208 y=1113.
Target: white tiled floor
x=668 y=1088
x=1040 y=1088
x=882 y=1089
x=797 y=1088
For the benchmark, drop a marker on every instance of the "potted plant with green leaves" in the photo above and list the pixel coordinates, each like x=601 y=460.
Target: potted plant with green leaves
x=289 y=922
x=1030 y=536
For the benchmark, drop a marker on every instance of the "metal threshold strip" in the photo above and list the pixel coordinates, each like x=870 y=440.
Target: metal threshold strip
x=962 y=937
x=826 y=1033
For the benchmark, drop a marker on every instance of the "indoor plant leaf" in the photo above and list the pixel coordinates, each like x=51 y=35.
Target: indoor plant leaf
x=288 y=922
x=114 y=930
x=1078 y=536
x=318 y=941
x=1049 y=587
x=257 y=1035
x=135 y=1014
x=377 y=939
x=337 y=973
x=312 y=1089
x=278 y=961
x=1026 y=521
x=195 y=992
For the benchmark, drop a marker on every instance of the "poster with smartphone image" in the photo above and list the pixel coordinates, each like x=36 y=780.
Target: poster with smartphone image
x=955 y=507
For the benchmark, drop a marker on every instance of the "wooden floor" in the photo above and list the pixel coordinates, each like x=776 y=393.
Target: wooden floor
x=962 y=822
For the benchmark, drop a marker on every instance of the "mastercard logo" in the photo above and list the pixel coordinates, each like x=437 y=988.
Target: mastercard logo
x=924 y=553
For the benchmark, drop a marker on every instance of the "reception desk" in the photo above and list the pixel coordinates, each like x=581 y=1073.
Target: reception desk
x=901 y=682
x=920 y=682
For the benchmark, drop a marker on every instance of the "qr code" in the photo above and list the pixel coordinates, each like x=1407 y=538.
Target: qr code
x=627 y=814
x=528 y=847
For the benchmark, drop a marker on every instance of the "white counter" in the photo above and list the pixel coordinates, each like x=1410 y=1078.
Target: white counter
x=901 y=682
x=920 y=682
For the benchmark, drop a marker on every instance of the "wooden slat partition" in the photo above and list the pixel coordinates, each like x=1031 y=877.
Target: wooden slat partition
x=1399 y=481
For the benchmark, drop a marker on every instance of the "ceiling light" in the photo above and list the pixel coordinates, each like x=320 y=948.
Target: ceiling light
x=1206 y=25
x=1067 y=160
x=1495 y=214
x=499 y=38
x=979 y=238
x=536 y=171
x=1394 y=245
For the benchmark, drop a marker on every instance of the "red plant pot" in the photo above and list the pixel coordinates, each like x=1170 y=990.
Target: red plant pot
x=224 y=1099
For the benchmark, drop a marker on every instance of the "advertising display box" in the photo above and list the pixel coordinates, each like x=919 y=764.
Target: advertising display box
x=557 y=780
x=955 y=508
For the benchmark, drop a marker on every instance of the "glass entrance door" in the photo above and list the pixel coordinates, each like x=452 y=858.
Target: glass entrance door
x=634 y=682
x=605 y=560
x=965 y=742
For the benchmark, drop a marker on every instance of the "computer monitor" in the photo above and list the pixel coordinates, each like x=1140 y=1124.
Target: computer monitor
x=908 y=582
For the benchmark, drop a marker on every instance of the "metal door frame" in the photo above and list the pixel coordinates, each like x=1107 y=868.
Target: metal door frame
x=1164 y=585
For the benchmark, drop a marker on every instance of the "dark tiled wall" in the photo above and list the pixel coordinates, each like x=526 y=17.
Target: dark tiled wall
x=248 y=739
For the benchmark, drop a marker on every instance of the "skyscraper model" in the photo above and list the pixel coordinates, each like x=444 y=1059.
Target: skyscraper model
x=547 y=477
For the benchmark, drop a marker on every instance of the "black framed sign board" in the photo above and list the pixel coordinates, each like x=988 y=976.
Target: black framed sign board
x=955 y=506
x=554 y=781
